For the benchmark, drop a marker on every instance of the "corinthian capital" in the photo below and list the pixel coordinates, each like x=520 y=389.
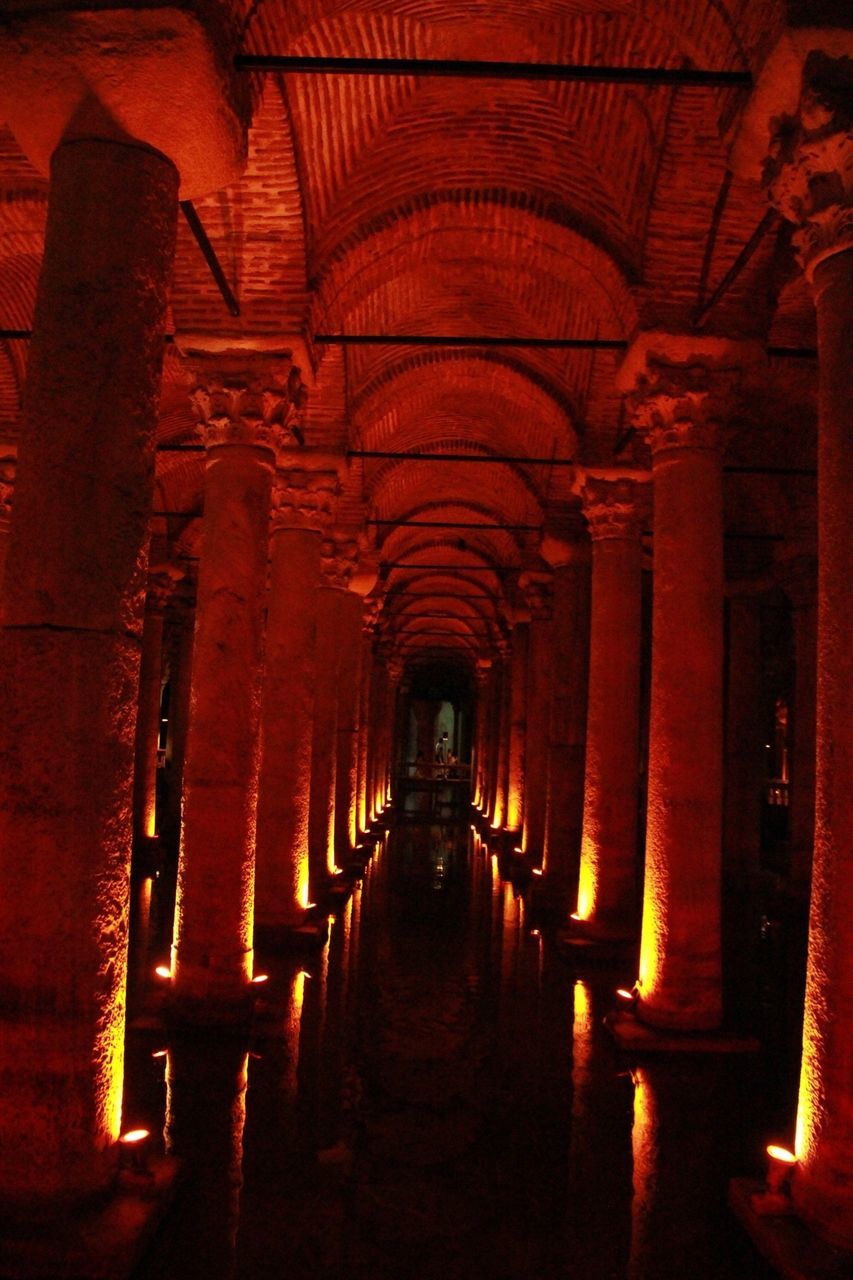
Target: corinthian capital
x=304 y=499
x=339 y=560
x=682 y=406
x=8 y=471
x=613 y=505
x=809 y=169
x=246 y=398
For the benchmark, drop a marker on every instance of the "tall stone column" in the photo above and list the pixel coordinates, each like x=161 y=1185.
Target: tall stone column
x=516 y=763
x=303 y=496
x=8 y=466
x=337 y=570
x=538 y=597
x=350 y=618
x=182 y=628
x=243 y=410
x=811 y=183
x=682 y=404
x=497 y=697
x=161 y=582
x=74 y=593
x=608 y=881
x=569 y=674
x=365 y=743
x=478 y=770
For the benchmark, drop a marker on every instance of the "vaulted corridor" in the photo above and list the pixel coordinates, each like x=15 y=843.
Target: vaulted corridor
x=422 y=418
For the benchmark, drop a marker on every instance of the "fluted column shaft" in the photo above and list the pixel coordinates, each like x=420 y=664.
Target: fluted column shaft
x=538 y=704
x=351 y=614
x=302 y=509
x=607 y=887
x=242 y=410
x=74 y=593
x=364 y=722
x=148 y=714
x=321 y=826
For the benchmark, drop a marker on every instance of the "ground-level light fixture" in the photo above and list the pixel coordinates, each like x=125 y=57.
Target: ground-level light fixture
x=163 y=971
x=134 y=1153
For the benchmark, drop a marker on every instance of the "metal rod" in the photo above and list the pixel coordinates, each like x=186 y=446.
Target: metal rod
x=194 y=515
x=461 y=457
x=447 y=568
x=457 y=524
x=9 y=335
x=447 y=340
x=792 y=353
x=440 y=595
x=476 y=70
x=188 y=209
x=701 y=313
x=181 y=448
x=770 y=471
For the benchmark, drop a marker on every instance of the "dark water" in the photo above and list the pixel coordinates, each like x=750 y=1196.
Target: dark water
x=433 y=1096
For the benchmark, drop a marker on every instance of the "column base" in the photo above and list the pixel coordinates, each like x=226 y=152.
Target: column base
x=311 y=930
x=577 y=939
x=635 y=1036
x=783 y=1238
x=103 y=1242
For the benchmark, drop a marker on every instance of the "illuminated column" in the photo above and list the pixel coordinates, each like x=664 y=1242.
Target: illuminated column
x=745 y=751
x=517 y=728
x=180 y=676
x=538 y=597
x=243 y=411
x=364 y=725
x=607 y=888
x=8 y=467
x=811 y=182
x=393 y=723
x=337 y=564
x=378 y=694
x=481 y=676
x=303 y=497
x=681 y=404
x=74 y=595
x=800 y=582
x=497 y=699
x=350 y=618
x=504 y=712
x=569 y=667
x=161 y=582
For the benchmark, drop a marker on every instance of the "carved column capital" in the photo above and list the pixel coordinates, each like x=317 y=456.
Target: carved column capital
x=246 y=398
x=8 y=472
x=538 y=596
x=370 y=616
x=809 y=169
x=615 y=507
x=339 y=560
x=683 y=406
x=162 y=581
x=304 y=498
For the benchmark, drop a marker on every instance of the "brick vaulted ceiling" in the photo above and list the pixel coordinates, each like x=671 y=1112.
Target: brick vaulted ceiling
x=404 y=205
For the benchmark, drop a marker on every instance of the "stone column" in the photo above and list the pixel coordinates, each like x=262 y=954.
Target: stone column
x=569 y=673
x=161 y=582
x=492 y=811
x=321 y=824
x=504 y=712
x=682 y=405
x=516 y=763
x=350 y=618
x=74 y=593
x=182 y=630
x=303 y=497
x=608 y=881
x=811 y=176
x=538 y=597
x=243 y=410
x=364 y=726
x=478 y=769
x=8 y=466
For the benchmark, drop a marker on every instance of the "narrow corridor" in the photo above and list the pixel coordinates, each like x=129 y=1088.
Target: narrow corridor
x=433 y=1095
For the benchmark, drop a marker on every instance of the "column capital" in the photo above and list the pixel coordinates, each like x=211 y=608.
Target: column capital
x=614 y=503
x=538 y=592
x=163 y=578
x=8 y=472
x=797 y=133
x=247 y=398
x=339 y=559
x=682 y=406
x=303 y=498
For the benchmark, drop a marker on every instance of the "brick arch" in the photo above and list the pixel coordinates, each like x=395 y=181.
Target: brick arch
x=406 y=485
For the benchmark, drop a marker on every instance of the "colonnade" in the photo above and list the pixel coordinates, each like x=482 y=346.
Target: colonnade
x=268 y=800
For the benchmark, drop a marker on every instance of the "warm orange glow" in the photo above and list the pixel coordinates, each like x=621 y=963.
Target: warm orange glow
x=261 y=977
x=337 y=871
x=781 y=1153
x=586 y=888
x=302 y=882
x=575 y=915
x=309 y=906
x=134 y=1135
x=160 y=1053
x=163 y=971
x=537 y=871
x=624 y=994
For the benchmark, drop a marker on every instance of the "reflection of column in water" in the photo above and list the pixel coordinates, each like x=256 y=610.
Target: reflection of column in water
x=310 y=1053
x=292 y=1024
x=332 y=1043
x=599 y=1178
x=511 y=908
x=677 y=1171
x=205 y=1117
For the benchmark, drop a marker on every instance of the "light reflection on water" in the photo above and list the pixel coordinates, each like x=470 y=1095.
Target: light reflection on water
x=435 y=1097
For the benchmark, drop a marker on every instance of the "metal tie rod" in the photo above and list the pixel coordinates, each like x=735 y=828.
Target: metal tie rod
x=469 y=69
x=469 y=340
x=489 y=458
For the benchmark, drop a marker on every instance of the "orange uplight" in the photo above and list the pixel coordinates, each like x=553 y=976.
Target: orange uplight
x=624 y=994
x=534 y=933
x=304 y=973
x=781 y=1153
x=537 y=871
x=517 y=848
x=160 y=1053
x=134 y=1135
x=261 y=977
x=309 y=906
x=163 y=971
x=576 y=915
